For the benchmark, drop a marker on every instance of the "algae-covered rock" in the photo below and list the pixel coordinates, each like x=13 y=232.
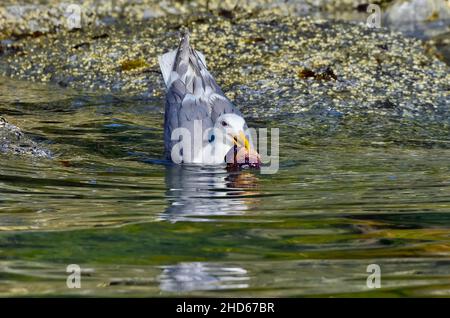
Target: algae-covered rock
x=269 y=65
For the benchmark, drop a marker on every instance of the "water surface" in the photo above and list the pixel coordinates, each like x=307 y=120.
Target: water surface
x=345 y=196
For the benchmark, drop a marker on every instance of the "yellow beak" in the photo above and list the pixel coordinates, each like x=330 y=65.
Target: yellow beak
x=241 y=140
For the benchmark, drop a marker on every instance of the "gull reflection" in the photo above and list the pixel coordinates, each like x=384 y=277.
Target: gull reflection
x=184 y=277
x=196 y=193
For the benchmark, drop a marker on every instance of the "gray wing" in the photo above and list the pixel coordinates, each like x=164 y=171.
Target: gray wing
x=192 y=94
x=181 y=111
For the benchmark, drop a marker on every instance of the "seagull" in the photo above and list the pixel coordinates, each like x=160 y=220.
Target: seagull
x=195 y=104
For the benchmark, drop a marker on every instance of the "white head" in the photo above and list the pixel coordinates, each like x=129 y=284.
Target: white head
x=228 y=131
x=232 y=127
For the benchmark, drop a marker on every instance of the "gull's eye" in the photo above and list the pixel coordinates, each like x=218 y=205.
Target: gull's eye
x=224 y=123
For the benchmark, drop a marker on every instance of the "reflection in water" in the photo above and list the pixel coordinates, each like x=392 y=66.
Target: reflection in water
x=195 y=191
x=202 y=276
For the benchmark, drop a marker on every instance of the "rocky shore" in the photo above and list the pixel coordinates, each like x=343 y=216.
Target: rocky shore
x=267 y=64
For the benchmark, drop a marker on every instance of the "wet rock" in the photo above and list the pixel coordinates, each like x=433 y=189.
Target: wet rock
x=14 y=141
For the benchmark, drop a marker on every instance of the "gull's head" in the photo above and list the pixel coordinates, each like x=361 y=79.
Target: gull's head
x=232 y=127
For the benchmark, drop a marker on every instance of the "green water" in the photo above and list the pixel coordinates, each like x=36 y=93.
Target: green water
x=138 y=227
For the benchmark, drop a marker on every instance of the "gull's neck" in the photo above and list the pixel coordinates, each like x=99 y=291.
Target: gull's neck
x=213 y=153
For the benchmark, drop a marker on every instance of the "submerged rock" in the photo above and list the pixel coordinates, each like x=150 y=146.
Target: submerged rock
x=14 y=141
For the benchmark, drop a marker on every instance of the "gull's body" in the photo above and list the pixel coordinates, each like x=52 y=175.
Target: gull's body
x=193 y=98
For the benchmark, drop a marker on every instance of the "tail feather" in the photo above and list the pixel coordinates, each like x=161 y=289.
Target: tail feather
x=183 y=63
x=166 y=62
